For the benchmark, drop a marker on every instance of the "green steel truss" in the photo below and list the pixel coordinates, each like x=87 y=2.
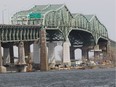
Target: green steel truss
x=57 y=16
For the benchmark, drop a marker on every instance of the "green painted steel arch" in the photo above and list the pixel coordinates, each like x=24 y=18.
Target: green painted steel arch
x=80 y=21
x=59 y=16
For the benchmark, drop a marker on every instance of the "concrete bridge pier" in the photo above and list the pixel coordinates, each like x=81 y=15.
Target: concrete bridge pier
x=43 y=51
x=21 y=66
x=6 y=56
x=110 y=49
x=21 y=53
x=97 y=52
x=72 y=52
x=58 y=52
x=104 y=52
x=66 y=52
x=104 y=49
x=51 y=54
x=27 y=50
x=36 y=53
x=28 y=57
x=11 y=54
x=85 y=56
x=2 y=68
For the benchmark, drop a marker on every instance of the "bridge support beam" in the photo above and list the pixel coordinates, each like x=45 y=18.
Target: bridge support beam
x=51 y=56
x=66 y=52
x=21 y=53
x=27 y=49
x=11 y=54
x=97 y=52
x=85 y=56
x=72 y=52
x=2 y=68
x=43 y=51
x=58 y=52
x=6 y=56
x=104 y=52
x=36 y=53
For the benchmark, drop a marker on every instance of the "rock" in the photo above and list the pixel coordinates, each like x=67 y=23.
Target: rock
x=2 y=69
x=29 y=68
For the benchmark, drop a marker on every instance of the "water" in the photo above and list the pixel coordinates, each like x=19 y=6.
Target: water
x=64 y=78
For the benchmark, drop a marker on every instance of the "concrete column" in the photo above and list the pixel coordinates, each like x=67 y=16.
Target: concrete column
x=58 y=53
x=27 y=49
x=85 y=56
x=28 y=57
x=51 y=56
x=2 y=68
x=96 y=56
x=72 y=53
x=43 y=51
x=104 y=52
x=66 y=52
x=21 y=53
x=11 y=54
x=6 y=56
x=103 y=47
x=36 y=52
x=97 y=52
x=109 y=50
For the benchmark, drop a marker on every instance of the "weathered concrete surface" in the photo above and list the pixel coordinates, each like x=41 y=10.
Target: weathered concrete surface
x=71 y=78
x=43 y=51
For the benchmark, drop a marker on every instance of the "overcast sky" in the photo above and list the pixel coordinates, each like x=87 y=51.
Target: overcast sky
x=103 y=9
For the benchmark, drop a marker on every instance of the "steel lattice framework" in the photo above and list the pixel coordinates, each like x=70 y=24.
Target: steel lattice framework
x=58 y=17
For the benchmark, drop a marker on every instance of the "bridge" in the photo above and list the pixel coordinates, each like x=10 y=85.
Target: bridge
x=46 y=26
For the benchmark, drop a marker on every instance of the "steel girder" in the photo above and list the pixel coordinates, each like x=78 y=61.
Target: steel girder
x=13 y=33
